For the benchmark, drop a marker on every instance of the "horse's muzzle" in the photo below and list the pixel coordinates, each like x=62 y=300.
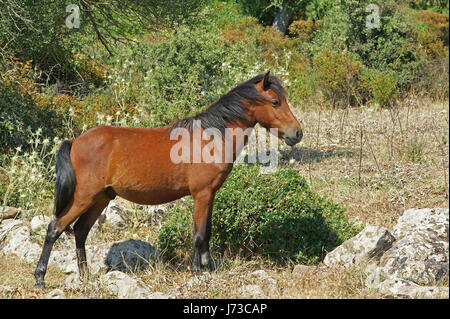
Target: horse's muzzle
x=292 y=140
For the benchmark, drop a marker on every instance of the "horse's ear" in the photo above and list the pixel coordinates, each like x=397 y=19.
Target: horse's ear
x=266 y=83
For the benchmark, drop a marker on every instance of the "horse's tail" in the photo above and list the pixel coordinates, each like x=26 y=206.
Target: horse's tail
x=65 y=178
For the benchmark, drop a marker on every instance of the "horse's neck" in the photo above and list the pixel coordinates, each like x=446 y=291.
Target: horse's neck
x=237 y=136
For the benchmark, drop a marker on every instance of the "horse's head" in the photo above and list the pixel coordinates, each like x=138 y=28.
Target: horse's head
x=273 y=111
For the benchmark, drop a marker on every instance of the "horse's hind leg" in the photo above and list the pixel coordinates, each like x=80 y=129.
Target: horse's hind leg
x=82 y=228
x=55 y=229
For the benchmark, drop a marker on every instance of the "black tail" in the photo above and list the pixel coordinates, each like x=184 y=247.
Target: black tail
x=65 y=178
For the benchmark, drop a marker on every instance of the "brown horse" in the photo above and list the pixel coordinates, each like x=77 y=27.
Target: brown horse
x=135 y=163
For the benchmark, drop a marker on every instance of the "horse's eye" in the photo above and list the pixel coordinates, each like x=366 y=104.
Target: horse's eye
x=276 y=103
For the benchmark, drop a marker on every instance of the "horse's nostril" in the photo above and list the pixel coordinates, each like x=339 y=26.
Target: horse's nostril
x=299 y=134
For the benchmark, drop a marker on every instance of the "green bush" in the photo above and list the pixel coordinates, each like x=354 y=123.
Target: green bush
x=381 y=87
x=276 y=215
x=392 y=47
x=22 y=108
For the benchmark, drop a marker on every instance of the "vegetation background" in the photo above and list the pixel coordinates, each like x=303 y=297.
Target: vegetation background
x=373 y=100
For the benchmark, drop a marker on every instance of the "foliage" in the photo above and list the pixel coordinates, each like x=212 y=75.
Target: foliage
x=337 y=75
x=381 y=86
x=276 y=215
x=22 y=107
x=441 y=6
x=392 y=47
x=30 y=174
x=37 y=31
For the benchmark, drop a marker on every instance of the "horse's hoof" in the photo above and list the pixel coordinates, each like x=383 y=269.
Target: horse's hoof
x=39 y=286
x=195 y=270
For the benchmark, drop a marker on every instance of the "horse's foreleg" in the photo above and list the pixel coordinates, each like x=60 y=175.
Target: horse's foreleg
x=82 y=228
x=203 y=203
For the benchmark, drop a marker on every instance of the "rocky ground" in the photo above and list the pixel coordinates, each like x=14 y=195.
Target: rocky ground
x=409 y=261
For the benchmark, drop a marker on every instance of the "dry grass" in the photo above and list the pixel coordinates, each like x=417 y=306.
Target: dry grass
x=402 y=163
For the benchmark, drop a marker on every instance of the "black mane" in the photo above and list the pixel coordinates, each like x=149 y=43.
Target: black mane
x=229 y=108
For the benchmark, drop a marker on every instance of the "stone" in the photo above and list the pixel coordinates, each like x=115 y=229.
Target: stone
x=405 y=288
x=56 y=294
x=114 y=215
x=40 y=223
x=7 y=212
x=73 y=282
x=368 y=245
x=7 y=225
x=123 y=286
x=301 y=270
x=197 y=281
x=252 y=292
x=268 y=283
x=131 y=255
x=7 y=290
x=17 y=241
x=157 y=213
x=421 y=253
x=433 y=220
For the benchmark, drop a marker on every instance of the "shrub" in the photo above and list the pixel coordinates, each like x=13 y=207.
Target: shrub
x=22 y=107
x=437 y=23
x=336 y=74
x=304 y=29
x=380 y=86
x=276 y=215
x=393 y=46
x=30 y=173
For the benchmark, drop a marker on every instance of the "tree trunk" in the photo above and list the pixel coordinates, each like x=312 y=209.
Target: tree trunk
x=283 y=17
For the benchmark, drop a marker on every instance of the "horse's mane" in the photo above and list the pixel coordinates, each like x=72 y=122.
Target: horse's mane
x=229 y=108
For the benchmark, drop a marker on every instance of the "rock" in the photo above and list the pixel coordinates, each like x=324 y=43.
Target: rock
x=73 y=282
x=7 y=212
x=301 y=270
x=405 y=288
x=252 y=292
x=369 y=244
x=113 y=215
x=260 y=274
x=198 y=281
x=433 y=220
x=56 y=294
x=7 y=290
x=123 y=286
x=7 y=225
x=422 y=251
x=157 y=213
x=40 y=223
x=268 y=283
x=131 y=255
x=158 y=295
x=15 y=239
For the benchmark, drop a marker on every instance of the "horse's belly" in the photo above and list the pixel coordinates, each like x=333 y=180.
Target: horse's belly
x=150 y=197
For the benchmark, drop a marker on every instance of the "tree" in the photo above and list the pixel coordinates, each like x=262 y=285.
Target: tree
x=37 y=30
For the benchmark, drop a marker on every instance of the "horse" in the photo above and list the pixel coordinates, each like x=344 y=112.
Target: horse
x=135 y=164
